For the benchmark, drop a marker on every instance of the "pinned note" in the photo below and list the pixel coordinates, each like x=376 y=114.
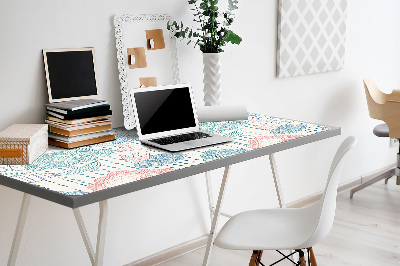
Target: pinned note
x=155 y=39
x=148 y=82
x=137 y=58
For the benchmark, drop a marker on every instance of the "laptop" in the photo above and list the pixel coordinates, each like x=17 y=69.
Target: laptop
x=166 y=118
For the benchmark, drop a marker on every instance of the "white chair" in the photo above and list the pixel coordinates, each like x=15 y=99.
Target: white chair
x=287 y=229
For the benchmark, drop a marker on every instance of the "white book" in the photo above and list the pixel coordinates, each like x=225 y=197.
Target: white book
x=78 y=121
x=77 y=104
x=55 y=114
x=78 y=126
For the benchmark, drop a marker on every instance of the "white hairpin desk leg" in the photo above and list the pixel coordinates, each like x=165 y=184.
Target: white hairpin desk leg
x=278 y=187
x=101 y=233
x=85 y=236
x=95 y=258
x=215 y=217
x=277 y=182
x=210 y=195
x=19 y=229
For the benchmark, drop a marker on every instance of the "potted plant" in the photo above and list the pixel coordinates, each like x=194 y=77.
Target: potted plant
x=212 y=35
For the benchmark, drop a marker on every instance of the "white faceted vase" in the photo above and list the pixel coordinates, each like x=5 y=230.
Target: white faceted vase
x=212 y=75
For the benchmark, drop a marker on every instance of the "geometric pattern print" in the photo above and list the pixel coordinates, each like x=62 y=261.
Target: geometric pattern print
x=125 y=160
x=311 y=36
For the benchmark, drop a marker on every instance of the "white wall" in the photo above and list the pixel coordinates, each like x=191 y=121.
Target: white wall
x=146 y=222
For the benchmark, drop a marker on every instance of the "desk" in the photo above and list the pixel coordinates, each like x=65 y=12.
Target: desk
x=86 y=175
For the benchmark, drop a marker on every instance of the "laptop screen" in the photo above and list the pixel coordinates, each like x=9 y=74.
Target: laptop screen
x=164 y=110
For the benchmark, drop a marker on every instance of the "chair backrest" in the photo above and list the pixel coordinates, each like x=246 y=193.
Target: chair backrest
x=382 y=106
x=327 y=203
x=373 y=100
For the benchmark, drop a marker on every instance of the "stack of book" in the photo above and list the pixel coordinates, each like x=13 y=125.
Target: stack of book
x=79 y=123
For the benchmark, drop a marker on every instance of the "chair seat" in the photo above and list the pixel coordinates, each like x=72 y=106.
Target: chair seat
x=269 y=229
x=381 y=130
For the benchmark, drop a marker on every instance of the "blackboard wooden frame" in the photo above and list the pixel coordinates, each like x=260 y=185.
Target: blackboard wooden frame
x=46 y=66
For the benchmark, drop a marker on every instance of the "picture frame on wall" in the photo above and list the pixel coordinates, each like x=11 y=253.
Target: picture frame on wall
x=146 y=54
x=311 y=37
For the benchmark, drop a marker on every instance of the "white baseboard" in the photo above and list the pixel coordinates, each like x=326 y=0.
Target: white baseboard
x=200 y=242
x=172 y=252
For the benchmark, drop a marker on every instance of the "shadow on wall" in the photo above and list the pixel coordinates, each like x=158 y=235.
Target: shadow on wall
x=28 y=113
x=111 y=87
x=342 y=105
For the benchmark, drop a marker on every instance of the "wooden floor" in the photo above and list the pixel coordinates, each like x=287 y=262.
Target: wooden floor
x=366 y=232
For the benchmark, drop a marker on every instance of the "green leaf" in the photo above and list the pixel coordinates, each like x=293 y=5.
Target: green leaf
x=211 y=35
x=213 y=2
x=233 y=38
x=204 y=5
x=232 y=4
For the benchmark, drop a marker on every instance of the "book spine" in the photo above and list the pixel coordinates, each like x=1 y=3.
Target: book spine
x=81 y=143
x=61 y=111
x=80 y=116
x=79 y=111
x=79 y=131
x=78 y=121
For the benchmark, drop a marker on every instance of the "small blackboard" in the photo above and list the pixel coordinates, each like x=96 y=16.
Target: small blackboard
x=70 y=74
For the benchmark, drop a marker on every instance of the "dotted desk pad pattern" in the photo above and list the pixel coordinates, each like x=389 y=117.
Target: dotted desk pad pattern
x=92 y=168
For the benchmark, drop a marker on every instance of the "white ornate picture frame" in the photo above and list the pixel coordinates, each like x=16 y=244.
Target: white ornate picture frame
x=130 y=32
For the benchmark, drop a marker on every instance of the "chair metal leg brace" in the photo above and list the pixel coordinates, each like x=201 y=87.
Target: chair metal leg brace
x=386 y=175
x=95 y=258
x=19 y=230
x=211 y=237
x=288 y=257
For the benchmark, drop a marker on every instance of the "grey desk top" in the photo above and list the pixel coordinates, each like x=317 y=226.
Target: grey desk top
x=86 y=175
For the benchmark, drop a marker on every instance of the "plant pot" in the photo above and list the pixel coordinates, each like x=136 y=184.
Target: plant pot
x=212 y=75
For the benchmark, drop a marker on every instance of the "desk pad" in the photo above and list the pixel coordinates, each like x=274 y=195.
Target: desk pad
x=96 y=167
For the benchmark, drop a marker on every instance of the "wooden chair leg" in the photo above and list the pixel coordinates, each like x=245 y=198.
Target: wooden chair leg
x=302 y=259
x=255 y=258
x=313 y=260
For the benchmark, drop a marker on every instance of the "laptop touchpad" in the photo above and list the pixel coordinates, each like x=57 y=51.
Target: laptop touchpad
x=198 y=142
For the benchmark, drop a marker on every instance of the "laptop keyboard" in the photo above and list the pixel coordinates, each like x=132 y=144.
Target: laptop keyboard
x=180 y=138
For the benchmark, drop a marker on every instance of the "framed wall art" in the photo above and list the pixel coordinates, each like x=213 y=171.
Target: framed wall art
x=146 y=53
x=311 y=36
